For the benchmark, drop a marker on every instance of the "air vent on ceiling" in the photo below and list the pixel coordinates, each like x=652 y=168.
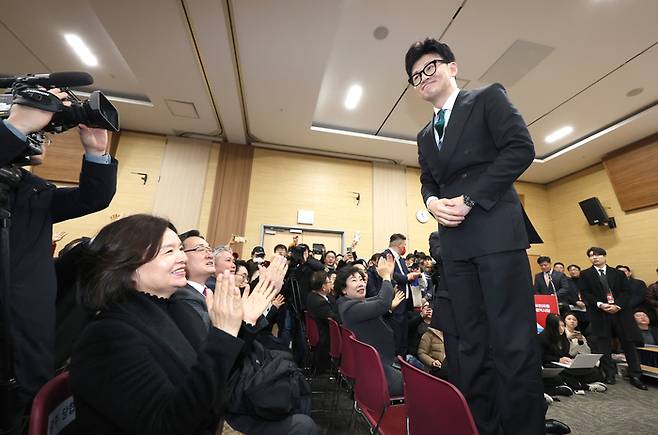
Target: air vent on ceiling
x=182 y=109
x=517 y=61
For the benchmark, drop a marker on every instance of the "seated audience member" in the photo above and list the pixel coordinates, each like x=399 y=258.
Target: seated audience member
x=637 y=286
x=649 y=333
x=558 y=267
x=135 y=370
x=242 y=276
x=555 y=348
x=432 y=353
x=329 y=261
x=550 y=281
x=224 y=260
x=364 y=316
x=577 y=341
x=200 y=266
x=132 y=370
x=321 y=305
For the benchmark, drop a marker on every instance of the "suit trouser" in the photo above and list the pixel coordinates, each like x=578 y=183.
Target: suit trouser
x=604 y=346
x=399 y=323
x=499 y=369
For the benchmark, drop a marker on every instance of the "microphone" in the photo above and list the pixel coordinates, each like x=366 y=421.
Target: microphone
x=55 y=80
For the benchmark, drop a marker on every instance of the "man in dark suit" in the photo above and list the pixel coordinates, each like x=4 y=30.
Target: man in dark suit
x=607 y=294
x=470 y=154
x=550 y=281
x=403 y=316
x=321 y=305
x=200 y=266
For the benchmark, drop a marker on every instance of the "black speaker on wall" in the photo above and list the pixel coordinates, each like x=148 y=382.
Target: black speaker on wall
x=595 y=213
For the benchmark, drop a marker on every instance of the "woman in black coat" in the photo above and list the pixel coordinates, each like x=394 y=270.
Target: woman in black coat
x=133 y=370
x=555 y=348
x=364 y=316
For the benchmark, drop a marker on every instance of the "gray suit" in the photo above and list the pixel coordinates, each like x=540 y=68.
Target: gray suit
x=191 y=296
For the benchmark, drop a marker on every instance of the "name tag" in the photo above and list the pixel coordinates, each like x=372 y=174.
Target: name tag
x=61 y=416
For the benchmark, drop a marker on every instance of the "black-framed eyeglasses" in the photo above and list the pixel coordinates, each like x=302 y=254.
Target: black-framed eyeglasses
x=199 y=249
x=428 y=70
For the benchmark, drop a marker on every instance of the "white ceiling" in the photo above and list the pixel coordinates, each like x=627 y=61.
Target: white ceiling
x=264 y=72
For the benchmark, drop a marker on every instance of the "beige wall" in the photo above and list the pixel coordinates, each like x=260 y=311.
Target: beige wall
x=634 y=240
x=137 y=152
x=283 y=183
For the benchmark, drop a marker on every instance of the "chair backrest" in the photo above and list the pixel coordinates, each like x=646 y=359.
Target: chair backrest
x=312 y=332
x=335 y=344
x=53 y=408
x=347 y=362
x=434 y=403
x=371 y=388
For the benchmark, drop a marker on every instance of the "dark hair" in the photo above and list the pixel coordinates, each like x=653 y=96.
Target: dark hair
x=72 y=244
x=621 y=266
x=331 y=272
x=375 y=258
x=318 y=279
x=242 y=263
x=543 y=259
x=280 y=246
x=569 y=313
x=558 y=262
x=595 y=250
x=410 y=256
x=552 y=331
x=111 y=259
x=342 y=275
x=188 y=234
x=324 y=256
x=573 y=265
x=396 y=238
x=420 y=48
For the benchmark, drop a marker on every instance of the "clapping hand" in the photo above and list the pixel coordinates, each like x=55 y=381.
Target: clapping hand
x=254 y=303
x=278 y=301
x=397 y=299
x=225 y=305
x=275 y=272
x=385 y=267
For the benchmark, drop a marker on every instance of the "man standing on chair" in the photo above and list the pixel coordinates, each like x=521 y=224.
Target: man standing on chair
x=470 y=154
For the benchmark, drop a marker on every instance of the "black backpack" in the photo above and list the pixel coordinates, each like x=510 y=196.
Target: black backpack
x=269 y=385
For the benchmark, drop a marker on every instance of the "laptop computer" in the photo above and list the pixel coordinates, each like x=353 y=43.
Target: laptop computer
x=582 y=361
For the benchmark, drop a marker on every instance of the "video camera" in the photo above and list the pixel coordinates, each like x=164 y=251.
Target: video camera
x=32 y=90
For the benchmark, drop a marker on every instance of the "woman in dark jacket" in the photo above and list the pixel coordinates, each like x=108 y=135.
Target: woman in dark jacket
x=555 y=348
x=364 y=316
x=133 y=370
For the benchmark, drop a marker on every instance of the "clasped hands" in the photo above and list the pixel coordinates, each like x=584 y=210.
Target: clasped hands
x=610 y=308
x=450 y=212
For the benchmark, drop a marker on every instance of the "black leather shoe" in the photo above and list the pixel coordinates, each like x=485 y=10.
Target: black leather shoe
x=610 y=380
x=563 y=390
x=637 y=383
x=556 y=426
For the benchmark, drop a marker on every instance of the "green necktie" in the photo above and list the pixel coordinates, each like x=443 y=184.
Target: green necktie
x=439 y=125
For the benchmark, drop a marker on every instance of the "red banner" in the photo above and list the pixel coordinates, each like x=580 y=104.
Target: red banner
x=544 y=305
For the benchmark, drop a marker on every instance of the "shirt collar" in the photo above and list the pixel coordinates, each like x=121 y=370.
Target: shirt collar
x=450 y=102
x=396 y=256
x=196 y=286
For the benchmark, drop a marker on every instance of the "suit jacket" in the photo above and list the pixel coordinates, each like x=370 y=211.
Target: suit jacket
x=36 y=205
x=134 y=371
x=486 y=148
x=560 y=287
x=592 y=291
x=191 y=296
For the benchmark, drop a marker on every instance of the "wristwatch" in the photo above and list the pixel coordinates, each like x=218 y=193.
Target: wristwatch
x=468 y=201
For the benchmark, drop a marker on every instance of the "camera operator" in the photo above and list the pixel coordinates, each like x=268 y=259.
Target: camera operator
x=35 y=205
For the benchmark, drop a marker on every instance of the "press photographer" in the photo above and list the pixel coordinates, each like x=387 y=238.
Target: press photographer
x=29 y=206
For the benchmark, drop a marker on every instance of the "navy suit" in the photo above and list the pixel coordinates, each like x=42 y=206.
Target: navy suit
x=558 y=285
x=486 y=147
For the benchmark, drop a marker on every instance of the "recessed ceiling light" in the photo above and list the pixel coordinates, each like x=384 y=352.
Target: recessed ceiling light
x=381 y=32
x=353 y=97
x=81 y=49
x=634 y=92
x=559 y=134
